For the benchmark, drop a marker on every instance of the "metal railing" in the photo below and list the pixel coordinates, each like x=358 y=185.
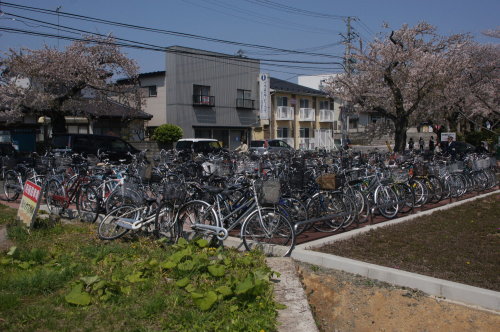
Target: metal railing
x=201 y=100
x=284 y=113
x=307 y=114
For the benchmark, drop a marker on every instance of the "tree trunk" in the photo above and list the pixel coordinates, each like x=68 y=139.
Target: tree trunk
x=401 y=125
x=58 y=123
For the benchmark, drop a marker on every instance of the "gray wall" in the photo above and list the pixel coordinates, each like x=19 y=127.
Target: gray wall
x=224 y=74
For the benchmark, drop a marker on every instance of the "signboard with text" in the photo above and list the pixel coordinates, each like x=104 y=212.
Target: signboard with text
x=265 y=95
x=30 y=202
x=444 y=136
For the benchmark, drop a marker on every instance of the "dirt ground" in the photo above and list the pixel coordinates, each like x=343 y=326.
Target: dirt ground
x=346 y=302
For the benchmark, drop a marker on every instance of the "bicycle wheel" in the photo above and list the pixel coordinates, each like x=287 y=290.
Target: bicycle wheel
x=351 y=208
x=420 y=192
x=362 y=208
x=457 y=185
x=436 y=189
x=387 y=201
x=166 y=226
x=266 y=231
x=327 y=204
x=12 y=186
x=55 y=196
x=122 y=196
x=88 y=204
x=295 y=211
x=406 y=197
x=109 y=229
x=197 y=212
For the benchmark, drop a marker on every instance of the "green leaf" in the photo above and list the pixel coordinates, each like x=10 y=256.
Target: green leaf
x=153 y=262
x=206 y=301
x=99 y=285
x=227 y=261
x=5 y=261
x=182 y=242
x=190 y=288
x=24 y=265
x=89 y=280
x=202 y=243
x=126 y=290
x=217 y=270
x=77 y=296
x=135 y=277
x=244 y=286
x=224 y=290
x=186 y=265
x=233 y=308
x=12 y=251
x=182 y=282
x=168 y=265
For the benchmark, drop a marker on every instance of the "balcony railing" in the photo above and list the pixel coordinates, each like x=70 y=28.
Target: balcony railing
x=284 y=113
x=203 y=100
x=325 y=116
x=307 y=114
x=245 y=103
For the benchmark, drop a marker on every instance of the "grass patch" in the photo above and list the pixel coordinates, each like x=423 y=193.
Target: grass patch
x=63 y=278
x=7 y=214
x=460 y=244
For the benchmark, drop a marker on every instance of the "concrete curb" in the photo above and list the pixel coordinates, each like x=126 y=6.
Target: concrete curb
x=442 y=288
x=288 y=290
x=352 y=233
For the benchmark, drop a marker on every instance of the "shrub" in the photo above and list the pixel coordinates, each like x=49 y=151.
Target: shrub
x=167 y=133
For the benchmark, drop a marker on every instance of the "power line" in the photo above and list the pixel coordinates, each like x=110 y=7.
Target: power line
x=185 y=53
x=162 y=31
x=295 y=10
x=160 y=48
x=257 y=17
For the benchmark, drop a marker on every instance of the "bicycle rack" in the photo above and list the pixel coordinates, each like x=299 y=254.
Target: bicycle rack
x=315 y=220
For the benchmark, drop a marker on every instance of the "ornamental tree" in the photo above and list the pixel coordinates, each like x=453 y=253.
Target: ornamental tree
x=167 y=134
x=403 y=76
x=56 y=83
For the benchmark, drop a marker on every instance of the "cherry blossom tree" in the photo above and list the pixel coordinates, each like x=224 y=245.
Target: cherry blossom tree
x=403 y=76
x=56 y=83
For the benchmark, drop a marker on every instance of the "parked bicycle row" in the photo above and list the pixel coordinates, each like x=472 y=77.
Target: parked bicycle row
x=266 y=200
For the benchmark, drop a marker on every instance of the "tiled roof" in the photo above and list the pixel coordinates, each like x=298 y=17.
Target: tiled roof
x=285 y=86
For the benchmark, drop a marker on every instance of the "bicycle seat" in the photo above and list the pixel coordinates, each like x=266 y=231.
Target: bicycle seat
x=355 y=182
x=150 y=199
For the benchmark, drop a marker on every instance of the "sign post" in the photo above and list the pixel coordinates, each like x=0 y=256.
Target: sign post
x=30 y=202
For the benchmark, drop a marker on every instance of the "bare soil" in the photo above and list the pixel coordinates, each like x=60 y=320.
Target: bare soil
x=460 y=244
x=346 y=302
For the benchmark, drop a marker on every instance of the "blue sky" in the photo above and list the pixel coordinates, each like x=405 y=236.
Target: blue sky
x=312 y=26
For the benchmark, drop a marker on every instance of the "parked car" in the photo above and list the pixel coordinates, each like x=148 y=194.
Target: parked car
x=271 y=146
x=114 y=147
x=198 y=145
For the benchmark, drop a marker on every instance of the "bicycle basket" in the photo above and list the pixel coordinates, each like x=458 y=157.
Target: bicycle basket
x=268 y=192
x=327 y=181
x=174 y=191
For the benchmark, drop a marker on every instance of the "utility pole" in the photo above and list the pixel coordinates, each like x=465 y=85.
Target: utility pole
x=346 y=108
x=58 y=37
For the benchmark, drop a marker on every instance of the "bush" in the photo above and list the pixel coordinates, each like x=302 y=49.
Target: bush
x=167 y=133
x=476 y=137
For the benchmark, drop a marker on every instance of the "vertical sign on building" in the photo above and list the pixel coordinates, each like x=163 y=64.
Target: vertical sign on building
x=265 y=95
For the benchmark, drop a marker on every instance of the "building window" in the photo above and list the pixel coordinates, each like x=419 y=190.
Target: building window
x=304 y=103
x=304 y=132
x=282 y=132
x=282 y=101
x=201 y=95
x=244 y=99
x=324 y=105
x=353 y=123
x=152 y=91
